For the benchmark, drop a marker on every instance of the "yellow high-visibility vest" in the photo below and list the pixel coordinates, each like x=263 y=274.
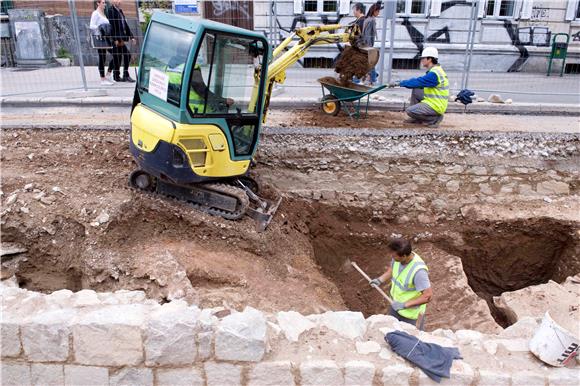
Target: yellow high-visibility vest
x=437 y=97
x=403 y=289
x=196 y=101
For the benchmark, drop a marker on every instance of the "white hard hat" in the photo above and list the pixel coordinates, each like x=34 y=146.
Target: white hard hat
x=430 y=52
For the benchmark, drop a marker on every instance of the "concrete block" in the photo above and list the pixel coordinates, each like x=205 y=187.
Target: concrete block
x=15 y=374
x=47 y=375
x=359 y=373
x=528 y=378
x=179 y=377
x=45 y=337
x=110 y=336
x=9 y=339
x=493 y=378
x=241 y=336
x=204 y=349
x=170 y=337
x=272 y=374
x=85 y=375
x=346 y=323
x=129 y=376
x=397 y=375
x=321 y=372
x=220 y=374
x=293 y=324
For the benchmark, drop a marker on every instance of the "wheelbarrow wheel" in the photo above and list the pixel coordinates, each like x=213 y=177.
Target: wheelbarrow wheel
x=330 y=105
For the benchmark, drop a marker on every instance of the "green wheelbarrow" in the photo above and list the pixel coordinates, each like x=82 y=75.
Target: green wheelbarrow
x=336 y=96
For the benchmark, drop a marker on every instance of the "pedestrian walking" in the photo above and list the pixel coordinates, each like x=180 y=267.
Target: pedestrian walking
x=101 y=39
x=121 y=35
x=369 y=35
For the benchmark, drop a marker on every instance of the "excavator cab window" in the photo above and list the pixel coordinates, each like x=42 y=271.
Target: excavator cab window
x=223 y=83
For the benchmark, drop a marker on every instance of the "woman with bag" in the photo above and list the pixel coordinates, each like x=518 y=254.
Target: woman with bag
x=100 y=39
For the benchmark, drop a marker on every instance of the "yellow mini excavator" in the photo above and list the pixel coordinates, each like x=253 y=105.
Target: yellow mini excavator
x=202 y=92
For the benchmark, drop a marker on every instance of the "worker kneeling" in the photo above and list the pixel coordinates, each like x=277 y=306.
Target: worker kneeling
x=430 y=92
x=410 y=286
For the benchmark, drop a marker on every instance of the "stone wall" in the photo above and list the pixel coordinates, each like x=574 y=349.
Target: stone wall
x=121 y=338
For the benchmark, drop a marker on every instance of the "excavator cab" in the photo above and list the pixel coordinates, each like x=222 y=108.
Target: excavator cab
x=197 y=113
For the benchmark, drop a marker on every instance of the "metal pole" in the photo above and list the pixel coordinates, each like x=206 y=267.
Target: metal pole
x=472 y=41
x=73 y=14
x=383 y=43
x=391 y=49
x=466 y=59
x=270 y=26
x=274 y=20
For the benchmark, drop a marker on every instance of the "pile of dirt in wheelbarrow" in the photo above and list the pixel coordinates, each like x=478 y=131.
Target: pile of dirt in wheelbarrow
x=352 y=62
x=348 y=84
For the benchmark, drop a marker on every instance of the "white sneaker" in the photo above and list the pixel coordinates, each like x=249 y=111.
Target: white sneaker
x=110 y=78
x=106 y=82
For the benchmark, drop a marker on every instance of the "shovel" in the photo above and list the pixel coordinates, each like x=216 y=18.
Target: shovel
x=372 y=285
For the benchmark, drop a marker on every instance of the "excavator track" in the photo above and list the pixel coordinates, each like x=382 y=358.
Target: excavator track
x=218 y=199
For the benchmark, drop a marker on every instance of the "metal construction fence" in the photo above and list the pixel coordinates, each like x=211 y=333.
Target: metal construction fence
x=489 y=46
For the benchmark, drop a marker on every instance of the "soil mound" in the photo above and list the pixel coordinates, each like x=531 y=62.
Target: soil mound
x=352 y=62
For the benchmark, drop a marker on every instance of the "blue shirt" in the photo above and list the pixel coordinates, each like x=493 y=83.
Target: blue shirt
x=428 y=80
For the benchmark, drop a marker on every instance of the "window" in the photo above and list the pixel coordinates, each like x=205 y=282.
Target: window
x=500 y=8
x=166 y=50
x=411 y=7
x=321 y=6
x=222 y=83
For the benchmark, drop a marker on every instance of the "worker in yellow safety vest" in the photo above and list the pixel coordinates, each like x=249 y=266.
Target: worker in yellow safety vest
x=410 y=286
x=430 y=92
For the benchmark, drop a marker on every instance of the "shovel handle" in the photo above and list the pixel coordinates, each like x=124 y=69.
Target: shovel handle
x=355 y=265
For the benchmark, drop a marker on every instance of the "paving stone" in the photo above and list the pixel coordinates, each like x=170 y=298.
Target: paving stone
x=321 y=372
x=47 y=375
x=359 y=373
x=15 y=374
x=272 y=374
x=129 y=376
x=10 y=339
x=45 y=337
x=527 y=378
x=397 y=375
x=110 y=336
x=85 y=375
x=179 y=377
x=346 y=323
x=220 y=374
x=493 y=378
x=170 y=336
x=293 y=324
x=241 y=336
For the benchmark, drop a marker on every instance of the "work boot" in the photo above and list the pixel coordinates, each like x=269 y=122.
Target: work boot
x=411 y=121
x=116 y=76
x=435 y=122
x=127 y=78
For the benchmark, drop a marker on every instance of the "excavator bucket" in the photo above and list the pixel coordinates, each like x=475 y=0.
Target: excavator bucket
x=261 y=210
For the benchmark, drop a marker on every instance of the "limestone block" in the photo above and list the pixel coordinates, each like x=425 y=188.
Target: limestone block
x=452 y=186
x=553 y=187
x=241 y=336
x=47 y=375
x=321 y=372
x=62 y=298
x=478 y=170
x=129 y=297
x=207 y=320
x=85 y=375
x=346 y=323
x=129 y=376
x=564 y=377
x=397 y=375
x=15 y=374
x=272 y=374
x=293 y=324
x=179 y=377
x=461 y=375
x=376 y=321
x=528 y=378
x=9 y=339
x=359 y=373
x=454 y=169
x=170 y=336
x=468 y=336
x=110 y=336
x=515 y=345
x=220 y=374
x=205 y=350
x=86 y=298
x=45 y=337
x=365 y=348
x=493 y=378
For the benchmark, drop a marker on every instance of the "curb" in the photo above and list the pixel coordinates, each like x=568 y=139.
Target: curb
x=281 y=102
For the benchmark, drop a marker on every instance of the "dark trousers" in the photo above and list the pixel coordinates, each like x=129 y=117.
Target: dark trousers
x=102 y=59
x=407 y=320
x=120 y=54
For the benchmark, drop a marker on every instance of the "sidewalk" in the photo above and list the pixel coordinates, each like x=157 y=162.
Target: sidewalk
x=63 y=86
